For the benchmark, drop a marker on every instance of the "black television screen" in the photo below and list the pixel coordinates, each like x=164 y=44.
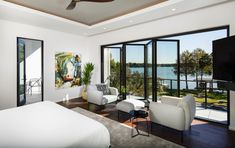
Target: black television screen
x=224 y=59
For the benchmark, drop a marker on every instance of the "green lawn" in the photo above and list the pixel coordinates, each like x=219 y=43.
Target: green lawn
x=213 y=98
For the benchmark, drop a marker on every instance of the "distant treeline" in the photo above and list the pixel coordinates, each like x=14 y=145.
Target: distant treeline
x=142 y=65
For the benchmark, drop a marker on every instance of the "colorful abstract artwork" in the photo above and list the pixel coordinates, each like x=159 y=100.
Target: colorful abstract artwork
x=67 y=69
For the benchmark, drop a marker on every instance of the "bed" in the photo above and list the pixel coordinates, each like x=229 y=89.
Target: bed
x=47 y=124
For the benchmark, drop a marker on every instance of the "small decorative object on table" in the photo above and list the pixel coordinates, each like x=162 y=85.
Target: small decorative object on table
x=135 y=114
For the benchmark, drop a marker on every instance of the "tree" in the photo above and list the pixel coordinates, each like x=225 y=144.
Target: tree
x=186 y=65
x=114 y=77
x=205 y=65
x=197 y=55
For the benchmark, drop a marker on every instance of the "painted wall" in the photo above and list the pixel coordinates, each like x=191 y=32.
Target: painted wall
x=53 y=41
x=218 y=15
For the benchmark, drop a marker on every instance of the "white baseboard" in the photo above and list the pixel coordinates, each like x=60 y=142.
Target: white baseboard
x=231 y=128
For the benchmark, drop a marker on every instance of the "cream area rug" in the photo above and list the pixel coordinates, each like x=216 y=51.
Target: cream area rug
x=120 y=134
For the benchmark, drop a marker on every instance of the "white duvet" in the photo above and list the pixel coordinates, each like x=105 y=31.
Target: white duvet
x=47 y=124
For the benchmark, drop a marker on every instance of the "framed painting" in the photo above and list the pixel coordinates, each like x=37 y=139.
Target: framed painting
x=67 y=70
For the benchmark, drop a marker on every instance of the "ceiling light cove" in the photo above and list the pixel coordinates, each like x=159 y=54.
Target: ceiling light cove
x=90 y=18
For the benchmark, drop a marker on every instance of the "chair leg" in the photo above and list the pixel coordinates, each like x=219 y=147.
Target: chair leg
x=147 y=126
x=118 y=115
x=182 y=137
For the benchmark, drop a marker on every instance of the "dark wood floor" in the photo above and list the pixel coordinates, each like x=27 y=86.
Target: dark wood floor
x=202 y=134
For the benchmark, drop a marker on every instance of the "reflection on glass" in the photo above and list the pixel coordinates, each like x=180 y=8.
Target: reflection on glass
x=29 y=71
x=21 y=48
x=112 y=67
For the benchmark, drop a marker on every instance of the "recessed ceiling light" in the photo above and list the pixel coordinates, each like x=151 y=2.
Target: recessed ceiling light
x=173 y=9
x=104 y=28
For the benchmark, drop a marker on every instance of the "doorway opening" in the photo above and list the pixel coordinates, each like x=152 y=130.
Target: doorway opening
x=29 y=71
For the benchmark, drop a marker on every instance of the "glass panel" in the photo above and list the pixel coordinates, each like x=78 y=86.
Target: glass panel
x=33 y=75
x=29 y=56
x=112 y=67
x=149 y=72
x=196 y=74
x=21 y=51
x=135 y=71
x=167 y=68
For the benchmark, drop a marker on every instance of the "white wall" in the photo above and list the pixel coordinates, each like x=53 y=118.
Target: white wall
x=218 y=15
x=58 y=41
x=53 y=41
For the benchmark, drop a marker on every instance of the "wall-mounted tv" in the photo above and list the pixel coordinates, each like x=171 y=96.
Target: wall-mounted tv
x=224 y=59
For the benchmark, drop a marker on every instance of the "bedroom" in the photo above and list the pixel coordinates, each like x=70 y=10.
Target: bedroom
x=60 y=34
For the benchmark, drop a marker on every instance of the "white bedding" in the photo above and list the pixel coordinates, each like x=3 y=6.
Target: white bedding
x=47 y=124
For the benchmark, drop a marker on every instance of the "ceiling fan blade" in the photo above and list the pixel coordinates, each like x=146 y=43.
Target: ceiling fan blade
x=72 y=5
x=99 y=1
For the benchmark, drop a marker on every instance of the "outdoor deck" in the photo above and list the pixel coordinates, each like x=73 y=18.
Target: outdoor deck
x=212 y=115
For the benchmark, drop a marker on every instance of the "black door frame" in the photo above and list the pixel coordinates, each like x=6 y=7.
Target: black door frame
x=155 y=65
x=145 y=65
x=18 y=69
x=102 y=63
x=227 y=27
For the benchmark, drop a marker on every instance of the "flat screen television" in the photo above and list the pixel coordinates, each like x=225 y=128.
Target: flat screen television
x=224 y=59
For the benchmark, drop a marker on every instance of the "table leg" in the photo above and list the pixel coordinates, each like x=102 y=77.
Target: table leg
x=147 y=125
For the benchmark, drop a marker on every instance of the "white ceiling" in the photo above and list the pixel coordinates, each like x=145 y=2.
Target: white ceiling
x=13 y=12
x=88 y=13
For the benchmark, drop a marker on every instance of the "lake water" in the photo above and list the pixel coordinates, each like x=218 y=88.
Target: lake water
x=168 y=73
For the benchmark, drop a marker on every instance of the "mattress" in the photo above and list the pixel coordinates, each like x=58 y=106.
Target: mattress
x=47 y=124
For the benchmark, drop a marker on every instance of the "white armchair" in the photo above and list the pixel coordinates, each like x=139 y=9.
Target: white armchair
x=96 y=97
x=173 y=112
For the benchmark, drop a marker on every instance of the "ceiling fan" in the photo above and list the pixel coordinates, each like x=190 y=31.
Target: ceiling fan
x=73 y=3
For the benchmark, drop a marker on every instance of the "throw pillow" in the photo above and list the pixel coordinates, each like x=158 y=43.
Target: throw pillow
x=104 y=88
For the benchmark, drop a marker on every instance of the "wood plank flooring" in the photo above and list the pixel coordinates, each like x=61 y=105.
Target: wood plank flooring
x=202 y=135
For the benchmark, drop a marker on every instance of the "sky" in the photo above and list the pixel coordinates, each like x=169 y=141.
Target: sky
x=167 y=51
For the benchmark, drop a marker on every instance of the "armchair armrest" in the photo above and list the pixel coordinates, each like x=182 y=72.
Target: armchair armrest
x=170 y=100
x=167 y=115
x=113 y=90
x=95 y=96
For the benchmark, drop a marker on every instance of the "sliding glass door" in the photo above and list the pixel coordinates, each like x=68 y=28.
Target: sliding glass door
x=135 y=70
x=176 y=65
x=167 y=65
x=112 y=66
x=143 y=70
x=149 y=71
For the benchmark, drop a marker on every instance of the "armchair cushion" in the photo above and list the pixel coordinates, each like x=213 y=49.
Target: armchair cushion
x=113 y=91
x=167 y=115
x=184 y=105
x=177 y=113
x=104 y=88
x=110 y=98
x=98 y=97
x=188 y=105
x=170 y=100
